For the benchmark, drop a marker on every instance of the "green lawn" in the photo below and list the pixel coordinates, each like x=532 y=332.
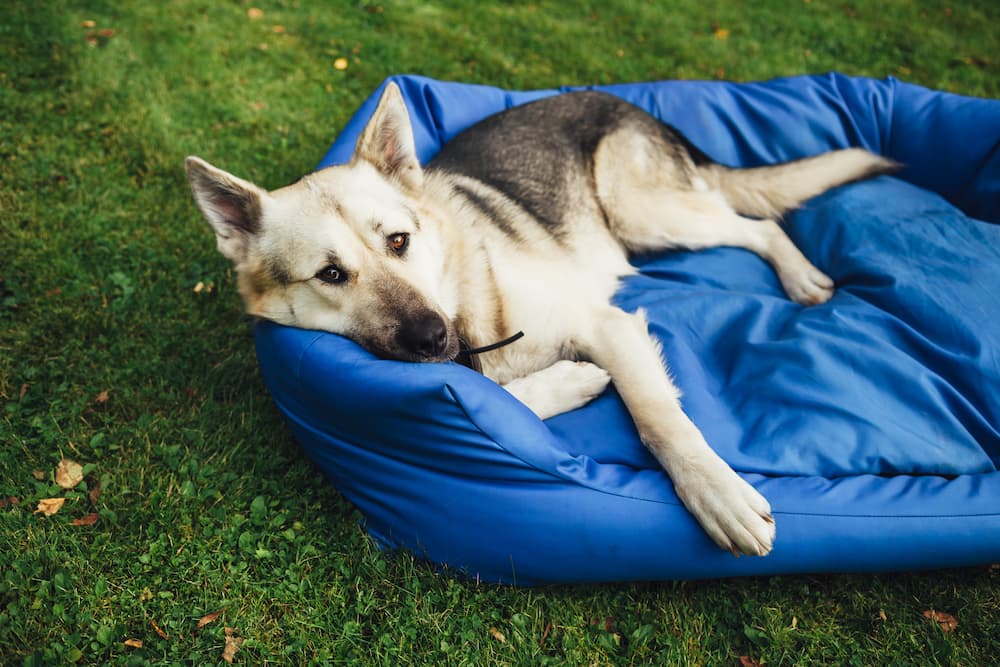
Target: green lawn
x=203 y=503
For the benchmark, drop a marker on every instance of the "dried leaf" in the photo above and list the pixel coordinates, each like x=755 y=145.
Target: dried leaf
x=87 y=24
x=208 y=618
x=69 y=473
x=106 y=33
x=158 y=630
x=497 y=635
x=95 y=493
x=233 y=644
x=340 y=64
x=881 y=615
x=49 y=506
x=134 y=643
x=102 y=397
x=278 y=29
x=39 y=475
x=253 y=13
x=721 y=33
x=199 y=287
x=9 y=500
x=545 y=634
x=88 y=520
x=946 y=621
x=24 y=390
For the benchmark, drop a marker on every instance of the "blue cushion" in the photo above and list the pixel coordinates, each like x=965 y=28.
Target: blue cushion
x=871 y=423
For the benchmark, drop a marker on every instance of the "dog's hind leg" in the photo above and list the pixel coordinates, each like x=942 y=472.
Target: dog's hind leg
x=651 y=205
x=696 y=220
x=731 y=511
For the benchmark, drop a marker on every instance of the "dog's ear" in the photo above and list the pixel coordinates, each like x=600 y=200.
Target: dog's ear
x=387 y=141
x=231 y=205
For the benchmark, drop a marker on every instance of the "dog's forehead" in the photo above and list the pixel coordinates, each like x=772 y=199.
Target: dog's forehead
x=339 y=212
x=358 y=196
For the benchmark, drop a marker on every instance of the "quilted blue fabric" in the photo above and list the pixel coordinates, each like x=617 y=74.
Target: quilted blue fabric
x=871 y=423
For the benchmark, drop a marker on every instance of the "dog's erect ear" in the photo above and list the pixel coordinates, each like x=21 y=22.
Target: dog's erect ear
x=387 y=141
x=231 y=205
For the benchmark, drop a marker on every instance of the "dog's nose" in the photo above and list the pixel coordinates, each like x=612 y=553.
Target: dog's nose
x=425 y=335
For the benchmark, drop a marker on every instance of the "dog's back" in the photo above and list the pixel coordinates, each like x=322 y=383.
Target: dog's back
x=538 y=153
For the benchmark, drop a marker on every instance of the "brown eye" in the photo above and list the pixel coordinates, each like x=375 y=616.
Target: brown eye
x=398 y=243
x=332 y=275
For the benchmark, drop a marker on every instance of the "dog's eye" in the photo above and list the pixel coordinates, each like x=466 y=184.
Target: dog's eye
x=398 y=243
x=332 y=275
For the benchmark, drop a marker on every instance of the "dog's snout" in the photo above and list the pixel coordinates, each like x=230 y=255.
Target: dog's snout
x=425 y=335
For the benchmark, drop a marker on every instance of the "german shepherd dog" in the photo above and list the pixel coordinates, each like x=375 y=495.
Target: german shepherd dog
x=523 y=223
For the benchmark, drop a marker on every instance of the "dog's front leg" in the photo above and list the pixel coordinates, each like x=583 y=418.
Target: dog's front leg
x=731 y=511
x=563 y=386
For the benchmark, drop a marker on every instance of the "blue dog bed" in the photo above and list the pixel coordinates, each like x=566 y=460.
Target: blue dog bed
x=871 y=423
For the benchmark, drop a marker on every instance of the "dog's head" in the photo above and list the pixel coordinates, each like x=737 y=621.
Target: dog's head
x=349 y=249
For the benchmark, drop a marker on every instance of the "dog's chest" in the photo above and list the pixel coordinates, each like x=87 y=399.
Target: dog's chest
x=554 y=299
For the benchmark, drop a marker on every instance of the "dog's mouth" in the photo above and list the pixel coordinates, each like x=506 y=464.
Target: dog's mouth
x=430 y=338
x=425 y=337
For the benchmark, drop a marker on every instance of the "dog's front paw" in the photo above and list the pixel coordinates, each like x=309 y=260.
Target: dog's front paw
x=732 y=512
x=563 y=386
x=807 y=285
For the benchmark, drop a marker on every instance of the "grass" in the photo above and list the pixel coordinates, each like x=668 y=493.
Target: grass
x=108 y=356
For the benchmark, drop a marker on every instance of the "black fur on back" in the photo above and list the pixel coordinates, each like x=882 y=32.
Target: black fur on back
x=531 y=152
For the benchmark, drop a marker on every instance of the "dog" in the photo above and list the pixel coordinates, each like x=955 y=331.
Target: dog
x=523 y=223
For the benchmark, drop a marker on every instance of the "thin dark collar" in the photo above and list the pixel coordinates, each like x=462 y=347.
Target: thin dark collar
x=467 y=356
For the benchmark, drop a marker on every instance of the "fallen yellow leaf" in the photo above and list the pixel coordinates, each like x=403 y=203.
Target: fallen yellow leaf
x=158 y=630
x=208 y=618
x=69 y=473
x=233 y=644
x=49 y=506
x=340 y=63
x=253 y=13
x=497 y=635
x=134 y=643
x=721 y=33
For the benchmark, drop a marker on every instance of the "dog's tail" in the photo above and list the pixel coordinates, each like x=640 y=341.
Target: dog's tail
x=769 y=192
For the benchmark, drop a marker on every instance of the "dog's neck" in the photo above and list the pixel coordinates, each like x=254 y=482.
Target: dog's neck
x=476 y=304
